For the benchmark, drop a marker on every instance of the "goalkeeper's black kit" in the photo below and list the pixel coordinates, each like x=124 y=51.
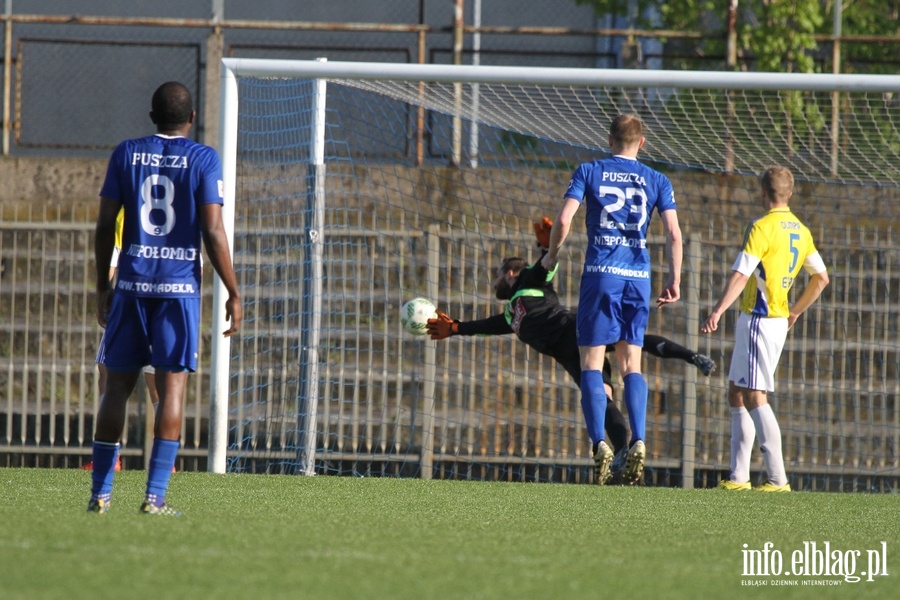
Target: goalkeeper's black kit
x=536 y=316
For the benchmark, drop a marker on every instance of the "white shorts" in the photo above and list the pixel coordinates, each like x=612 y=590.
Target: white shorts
x=149 y=369
x=758 y=342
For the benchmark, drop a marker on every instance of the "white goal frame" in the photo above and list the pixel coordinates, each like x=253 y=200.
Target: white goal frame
x=321 y=71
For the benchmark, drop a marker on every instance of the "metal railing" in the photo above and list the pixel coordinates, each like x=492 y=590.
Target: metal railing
x=500 y=410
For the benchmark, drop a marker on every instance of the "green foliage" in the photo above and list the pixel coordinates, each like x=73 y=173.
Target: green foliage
x=774 y=35
x=781 y=38
x=881 y=17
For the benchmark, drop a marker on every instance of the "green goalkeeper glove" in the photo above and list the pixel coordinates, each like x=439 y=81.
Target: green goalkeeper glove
x=442 y=327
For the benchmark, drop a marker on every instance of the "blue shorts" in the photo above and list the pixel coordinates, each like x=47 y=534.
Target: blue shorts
x=163 y=332
x=611 y=310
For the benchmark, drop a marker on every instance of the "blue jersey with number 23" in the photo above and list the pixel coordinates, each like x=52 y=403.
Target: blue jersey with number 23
x=619 y=195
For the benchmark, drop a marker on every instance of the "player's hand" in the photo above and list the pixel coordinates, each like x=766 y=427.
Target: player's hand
x=792 y=318
x=542 y=232
x=669 y=295
x=234 y=312
x=711 y=323
x=442 y=327
x=549 y=262
x=104 y=301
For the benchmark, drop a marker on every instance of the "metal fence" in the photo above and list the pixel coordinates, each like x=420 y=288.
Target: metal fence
x=839 y=415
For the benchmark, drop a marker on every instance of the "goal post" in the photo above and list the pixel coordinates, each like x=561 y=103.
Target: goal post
x=349 y=191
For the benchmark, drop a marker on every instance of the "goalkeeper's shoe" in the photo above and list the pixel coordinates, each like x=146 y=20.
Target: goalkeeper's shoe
x=98 y=505
x=704 y=363
x=771 y=487
x=148 y=508
x=733 y=486
x=603 y=457
x=618 y=466
x=634 y=464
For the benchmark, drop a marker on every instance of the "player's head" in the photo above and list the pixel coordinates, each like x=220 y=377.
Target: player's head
x=172 y=108
x=626 y=134
x=777 y=185
x=507 y=273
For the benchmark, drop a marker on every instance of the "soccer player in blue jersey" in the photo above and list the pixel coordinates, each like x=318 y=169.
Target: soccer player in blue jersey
x=776 y=247
x=620 y=194
x=172 y=192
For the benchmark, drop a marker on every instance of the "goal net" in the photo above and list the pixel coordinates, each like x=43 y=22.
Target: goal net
x=356 y=187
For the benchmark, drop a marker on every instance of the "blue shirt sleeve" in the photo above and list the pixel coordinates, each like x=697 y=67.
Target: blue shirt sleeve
x=666 y=195
x=211 y=189
x=577 y=183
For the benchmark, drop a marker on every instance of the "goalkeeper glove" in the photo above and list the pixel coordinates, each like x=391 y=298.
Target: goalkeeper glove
x=442 y=327
x=542 y=232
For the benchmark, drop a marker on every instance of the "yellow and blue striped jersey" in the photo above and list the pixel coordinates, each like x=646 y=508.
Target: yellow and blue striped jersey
x=776 y=247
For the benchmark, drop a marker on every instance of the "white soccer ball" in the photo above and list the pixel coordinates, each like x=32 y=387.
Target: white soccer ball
x=415 y=313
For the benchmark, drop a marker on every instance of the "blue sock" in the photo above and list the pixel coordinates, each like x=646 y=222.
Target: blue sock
x=636 y=401
x=104 y=464
x=162 y=459
x=593 y=404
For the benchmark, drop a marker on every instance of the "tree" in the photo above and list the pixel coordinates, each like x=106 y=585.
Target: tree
x=773 y=35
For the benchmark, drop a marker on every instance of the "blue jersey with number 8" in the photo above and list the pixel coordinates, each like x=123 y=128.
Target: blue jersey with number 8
x=161 y=181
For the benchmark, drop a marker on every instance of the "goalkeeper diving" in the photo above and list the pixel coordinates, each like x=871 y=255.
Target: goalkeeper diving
x=534 y=313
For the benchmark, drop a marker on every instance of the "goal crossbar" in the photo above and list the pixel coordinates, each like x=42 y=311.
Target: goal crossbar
x=821 y=82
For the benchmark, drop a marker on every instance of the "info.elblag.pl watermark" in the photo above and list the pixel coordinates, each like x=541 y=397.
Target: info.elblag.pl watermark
x=812 y=563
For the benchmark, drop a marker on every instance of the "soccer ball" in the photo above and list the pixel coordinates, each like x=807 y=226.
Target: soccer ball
x=415 y=313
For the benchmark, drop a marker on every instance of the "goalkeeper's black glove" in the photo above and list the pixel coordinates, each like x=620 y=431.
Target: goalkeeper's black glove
x=442 y=327
x=542 y=232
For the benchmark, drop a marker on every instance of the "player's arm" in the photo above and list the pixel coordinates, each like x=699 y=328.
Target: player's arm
x=674 y=256
x=814 y=288
x=732 y=292
x=216 y=242
x=559 y=232
x=443 y=326
x=537 y=275
x=104 y=242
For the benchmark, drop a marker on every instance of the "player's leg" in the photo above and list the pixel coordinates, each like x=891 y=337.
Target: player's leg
x=152 y=390
x=101 y=385
x=567 y=355
x=166 y=440
x=635 y=315
x=770 y=338
x=122 y=351
x=175 y=345
x=108 y=430
x=635 y=394
x=742 y=377
x=594 y=404
x=662 y=347
x=596 y=323
x=743 y=433
x=153 y=393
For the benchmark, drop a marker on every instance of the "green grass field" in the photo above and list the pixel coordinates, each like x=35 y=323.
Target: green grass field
x=328 y=537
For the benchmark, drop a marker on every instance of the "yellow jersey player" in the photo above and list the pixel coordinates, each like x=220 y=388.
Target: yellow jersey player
x=776 y=247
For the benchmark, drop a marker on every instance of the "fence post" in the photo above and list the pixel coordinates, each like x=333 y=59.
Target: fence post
x=7 y=75
x=215 y=44
x=689 y=402
x=434 y=257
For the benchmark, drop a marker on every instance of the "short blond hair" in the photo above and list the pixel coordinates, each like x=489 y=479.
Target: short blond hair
x=626 y=130
x=778 y=183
